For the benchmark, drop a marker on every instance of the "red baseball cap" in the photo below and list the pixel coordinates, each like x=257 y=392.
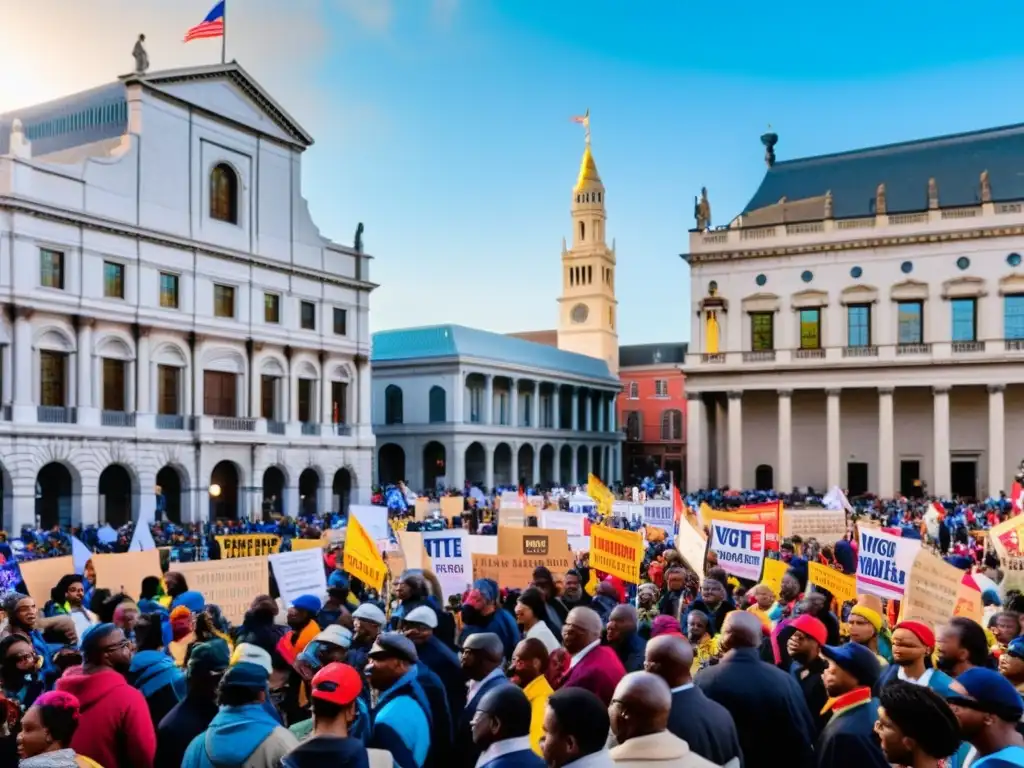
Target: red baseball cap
x=812 y=627
x=337 y=683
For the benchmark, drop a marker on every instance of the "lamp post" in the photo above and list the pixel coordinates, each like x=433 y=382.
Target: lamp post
x=214 y=491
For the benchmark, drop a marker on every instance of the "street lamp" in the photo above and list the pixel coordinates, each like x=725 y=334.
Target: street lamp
x=214 y=495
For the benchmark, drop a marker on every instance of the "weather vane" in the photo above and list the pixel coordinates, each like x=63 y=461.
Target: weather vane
x=584 y=120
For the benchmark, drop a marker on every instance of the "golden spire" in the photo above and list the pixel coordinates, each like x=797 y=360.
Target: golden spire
x=588 y=168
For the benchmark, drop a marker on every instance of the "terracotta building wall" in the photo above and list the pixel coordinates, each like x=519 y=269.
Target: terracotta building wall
x=652 y=412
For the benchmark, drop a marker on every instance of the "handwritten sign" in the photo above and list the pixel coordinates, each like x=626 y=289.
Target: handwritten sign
x=617 y=552
x=660 y=515
x=843 y=587
x=932 y=591
x=230 y=584
x=826 y=525
x=248 y=545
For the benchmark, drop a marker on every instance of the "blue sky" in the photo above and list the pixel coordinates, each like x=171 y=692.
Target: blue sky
x=443 y=125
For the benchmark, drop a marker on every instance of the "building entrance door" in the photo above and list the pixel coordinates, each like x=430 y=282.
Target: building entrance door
x=963 y=477
x=910 y=473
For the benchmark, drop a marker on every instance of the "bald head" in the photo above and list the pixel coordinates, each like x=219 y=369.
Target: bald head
x=670 y=658
x=742 y=630
x=640 y=706
x=581 y=628
x=621 y=623
x=486 y=644
x=623 y=613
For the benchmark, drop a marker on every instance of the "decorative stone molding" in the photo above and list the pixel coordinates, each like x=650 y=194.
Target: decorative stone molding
x=940 y=390
x=1011 y=285
x=693 y=396
x=782 y=393
x=761 y=302
x=964 y=288
x=888 y=391
x=736 y=394
x=909 y=290
x=809 y=299
x=996 y=388
x=858 y=294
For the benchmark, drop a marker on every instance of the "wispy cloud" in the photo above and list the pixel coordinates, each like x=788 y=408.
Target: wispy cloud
x=375 y=15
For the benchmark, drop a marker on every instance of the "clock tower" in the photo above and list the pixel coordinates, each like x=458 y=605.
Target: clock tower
x=587 y=321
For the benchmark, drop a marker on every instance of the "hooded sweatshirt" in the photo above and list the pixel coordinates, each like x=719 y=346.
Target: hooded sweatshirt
x=240 y=737
x=158 y=678
x=114 y=726
x=328 y=750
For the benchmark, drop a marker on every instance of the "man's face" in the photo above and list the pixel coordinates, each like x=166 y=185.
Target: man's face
x=861 y=630
x=800 y=646
x=523 y=670
x=765 y=598
x=575 y=637
x=383 y=671
x=696 y=627
x=1006 y=628
x=675 y=582
x=837 y=680
x=572 y=588
x=907 y=648
x=297 y=618
x=484 y=728
x=789 y=587
x=23 y=656
x=894 y=745
x=115 y=651
x=328 y=653
x=972 y=722
x=404 y=590
x=619 y=626
x=950 y=650
x=364 y=630
x=25 y=614
x=556 y=749
x=75 y=593
x=1011 y=666
x=418 y=633
x=712 y=592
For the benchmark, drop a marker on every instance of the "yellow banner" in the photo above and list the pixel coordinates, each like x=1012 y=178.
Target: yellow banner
x=617 y=552
x=842 y=587
x=248 y=545
x=299 y=544
x=362 y=559
x=599 y=492
x=773 y=572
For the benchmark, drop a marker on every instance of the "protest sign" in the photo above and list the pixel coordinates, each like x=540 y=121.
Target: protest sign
x=579 y=543
x=768 y=515
x=302 y=573
x=659 y=513
x=125 y=571
x=569 y=522
x=826 y=525
x=373 y=519
x=40 y=576
x=449 y=552
x=843 y=587
x=361 y=557
x=482 y=545
x=582 y=504
x=510 y=500
x=692 y=546
x=452 y=506
x=248 y=545
x=932 y=590
x=884 y=562
x=1008 y=541
x=617 y=552
x=231 y=584
x=413 y=553
x=774 y=570
x=520 y=550
x=422 y=508
x=739 y=547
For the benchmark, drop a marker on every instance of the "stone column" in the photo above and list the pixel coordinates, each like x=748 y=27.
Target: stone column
x=142 y=394
x=886 y=444
x=364 y=393
x=536 y=463
x=256 y=393
x=736 y=440
x=588 y=411
x=459 y=398
x=575 y=411
x=515 y=464
x=574 y=471
x=513 y=412
x=784 y=482
x=535 y=415
x=833 y=473
x=197 y=410
x=997 y=477
x=7 y=363
x=22 y=372
x=326 y=416
x=488 y=414
x=611 y=414
x=940 y=485
x=488 y=468
x=697 y=443
x=87 y=407
x=556 y=407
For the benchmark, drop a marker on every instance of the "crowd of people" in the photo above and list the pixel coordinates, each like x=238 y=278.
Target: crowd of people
x=692 y=667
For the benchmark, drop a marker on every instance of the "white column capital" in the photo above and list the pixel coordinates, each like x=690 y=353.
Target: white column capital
x=785 y=393
x=736 y=394
x=886 y=391
x=938 y=391
x=996 y=389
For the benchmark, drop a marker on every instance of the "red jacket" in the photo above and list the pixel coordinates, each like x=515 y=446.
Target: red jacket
x=114 y=728
x=599 y=672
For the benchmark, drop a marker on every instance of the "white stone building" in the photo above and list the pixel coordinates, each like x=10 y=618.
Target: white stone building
x=177 y=334
x=861 y=323
x=464 y=404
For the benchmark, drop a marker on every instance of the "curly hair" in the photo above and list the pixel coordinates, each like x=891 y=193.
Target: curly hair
x=59 y=712
x=923 y=716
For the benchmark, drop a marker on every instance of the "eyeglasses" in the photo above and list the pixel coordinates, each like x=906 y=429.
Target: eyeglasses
x=117 y=646
x=20 y=657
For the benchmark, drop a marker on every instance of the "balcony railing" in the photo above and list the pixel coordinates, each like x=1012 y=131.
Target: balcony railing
x=275 y=427
x=1014 y=345
x=913 y=349
x=718 y=357
x=170 y=421
x=117 y=419
x=234 y=424
x=343 y=430
x=55 y=414
x=760 y=356
x=310 y=428
x=867 y=350
x=966 y=347
x=810 y=354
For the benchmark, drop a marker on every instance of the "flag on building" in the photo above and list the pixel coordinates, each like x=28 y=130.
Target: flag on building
x=211 y=26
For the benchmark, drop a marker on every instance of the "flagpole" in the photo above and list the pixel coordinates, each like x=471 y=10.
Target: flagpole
x=224 y=38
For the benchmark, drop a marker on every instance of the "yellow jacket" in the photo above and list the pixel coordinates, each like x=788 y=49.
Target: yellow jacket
x=537 y=693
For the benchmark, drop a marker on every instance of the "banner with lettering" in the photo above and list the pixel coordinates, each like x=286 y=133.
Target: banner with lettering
x=884 y=562
x=248 y=545
x=826 y=525
x=229 y=584
x=932 y=591
x=451 y=559
x=520 y=550
x=769 y=515
x=843 y=587
x=1008 y=541
x=739 y=547
x=617 y=552
x=659 y=513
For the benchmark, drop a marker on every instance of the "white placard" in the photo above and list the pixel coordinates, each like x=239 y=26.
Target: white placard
x=451 y=559
x=570 y=522
x=739 y=547
x=299 y=573
x=660 y=514
x=373 y=519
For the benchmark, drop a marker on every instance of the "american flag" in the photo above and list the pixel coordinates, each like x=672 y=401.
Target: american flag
x=211 y=26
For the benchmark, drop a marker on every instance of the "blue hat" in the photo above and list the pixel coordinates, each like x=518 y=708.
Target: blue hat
x=92 y=635
x=308 y=603
x=192 y=600
x=246 y=675
x=1016 y=648
x=488 y=588
x=985 y=690
x=855 y=659
x=337 y=580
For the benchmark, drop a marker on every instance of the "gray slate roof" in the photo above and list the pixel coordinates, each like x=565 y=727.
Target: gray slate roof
x=955 y=162
x=72 y=121
x=438 y=341
x=631 y=355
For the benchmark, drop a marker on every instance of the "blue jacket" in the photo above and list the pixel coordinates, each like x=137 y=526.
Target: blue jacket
x=501 y=623
x=522 y=759
x=234 y=734
x=152 y=670
x=401 y=722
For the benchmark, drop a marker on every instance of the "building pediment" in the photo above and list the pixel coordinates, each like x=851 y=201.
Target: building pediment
x=963 y=287
x=761 y=302
x=859 y=294
x=809 y=299
x=909 y=290
x=229 y=91
x=1011 y=284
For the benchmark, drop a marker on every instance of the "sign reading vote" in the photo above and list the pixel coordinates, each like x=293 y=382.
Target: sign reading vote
x=883 y=562
x=739 y=547
x=450 y=559
x=443 y=548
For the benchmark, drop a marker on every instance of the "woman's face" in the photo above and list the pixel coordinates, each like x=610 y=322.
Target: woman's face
x=861 y=630
x=524 y=615
x=34 y=739
x=22 y=657
x=25 y=614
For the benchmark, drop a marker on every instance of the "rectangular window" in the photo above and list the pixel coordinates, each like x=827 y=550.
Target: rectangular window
x=307 y=315
x=527 y=409
x=503 y=408
x=306 y=400
x=271 y=308
x=168 y=384
x=634 y=390
x=340 y=321
x=660 y=388
x=52 y=372
x=810 y=329
x=909 y=326
x=476 y=405
x=113 y=385
x=168 y=290
x=964 y=313
x=51 y=269
x=223 y=301
x=858 y=325
x=1013 y=317
x=113 y=280
x=339 y=402
x=762 y=331
x=268 y=397
x=220 y=393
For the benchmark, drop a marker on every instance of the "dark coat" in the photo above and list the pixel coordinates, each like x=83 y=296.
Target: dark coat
x=441 y=717
x=522 y=759
x=466 y=752
x=813 y=687
x=849 y=740
x=767 y=706
x=442 y=661
x=630 y=651
x=717 y=615
x=705 y=725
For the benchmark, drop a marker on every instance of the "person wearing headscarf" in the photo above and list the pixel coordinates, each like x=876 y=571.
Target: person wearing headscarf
x=646 y=608
x=46 y=733
x=481 y=613
x=182 y=634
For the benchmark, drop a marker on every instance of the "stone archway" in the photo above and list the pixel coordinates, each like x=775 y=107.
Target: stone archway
x=170 y=500
x=434 y=465
x=274 y=484
x=476 y=464
x=342 y=490
x=309 y=492
x=503 y=466
x=526 y=477
x=55 y=492
x=390 y=464
x=223 y=491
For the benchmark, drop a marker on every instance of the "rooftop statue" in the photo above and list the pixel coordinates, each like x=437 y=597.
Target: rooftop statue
x=141 y=57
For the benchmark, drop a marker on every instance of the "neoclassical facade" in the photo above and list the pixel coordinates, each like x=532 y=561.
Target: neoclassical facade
x=861 y=323
x=453 y=405
x=178 y=338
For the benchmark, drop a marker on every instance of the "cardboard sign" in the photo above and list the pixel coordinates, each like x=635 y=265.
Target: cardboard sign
x=692 y=545
x=452 y=506
x=1008 y=541
x=248 y=545
x=230 y=584
x=617 y=552
x=932 y=590
x=520 y=550
x=842 y=586
x=826 y=525
x=301 y=573
x=40 y=576
x=124 y=572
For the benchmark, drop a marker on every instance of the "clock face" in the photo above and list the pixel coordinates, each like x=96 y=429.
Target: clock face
x=579 y=313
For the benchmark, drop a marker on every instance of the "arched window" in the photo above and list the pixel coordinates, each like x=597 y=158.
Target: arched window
x=633 y=426
x=437 y=405
x=634 y=390
x=672 y=425
x=764 y=477
x=224 y=194
x=393 y=405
